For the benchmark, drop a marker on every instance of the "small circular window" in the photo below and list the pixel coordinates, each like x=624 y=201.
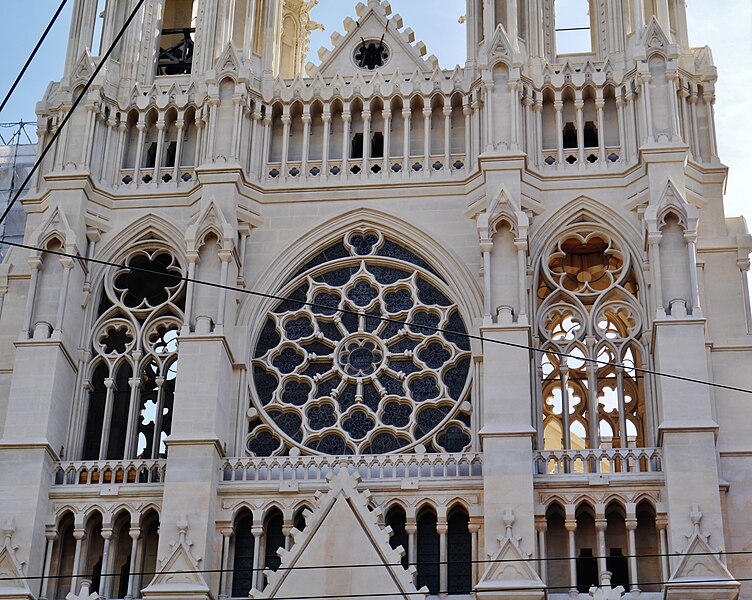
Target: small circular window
x=371 y=54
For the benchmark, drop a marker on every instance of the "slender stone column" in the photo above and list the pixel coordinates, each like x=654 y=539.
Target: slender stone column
x=104 y=579
x=473 y=528
x=257 y=531
x=442 y=529
x=467 y=112
x=654 y=244
x=564 y=383
x=661 y=524
x=411 y=528
x=559 y=107
x=486 y=245
x=696 y=148
x=694 y=288
x=366 y=141
x=538 y=150
x=600 y=103
x=709 y=100
x=622 y=135
x=267 y=122
x=135 y=534
x=285 y=139
x=35 y=265
x=255 y=118
x=346 y=118
x=488 y=88
x=141 y=127
x=600 y=528
x=306 y=138
x=579 y=104
x=67 y=263
x=541 y=527
x=326 y=117
x=634 y=577
x=79 y=535
x=104 y=440
x=571 y=527
x=406 y=122
x=426 y=137
x=387 y=116
x=179 y=125
x=447 y=133
x=160 y=145
x=52 y=537
x=224 y=576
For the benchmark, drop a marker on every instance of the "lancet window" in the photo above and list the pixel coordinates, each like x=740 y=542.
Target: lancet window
x=334 y=382
x=131 y=378
x=590 y=323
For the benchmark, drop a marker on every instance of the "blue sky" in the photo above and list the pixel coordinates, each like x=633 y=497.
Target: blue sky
x=727 y=31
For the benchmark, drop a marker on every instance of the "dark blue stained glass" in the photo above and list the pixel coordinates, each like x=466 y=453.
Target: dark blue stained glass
x=331 y=444
x=265 y=382
x=403 y=366
x=325 y=388
x=429 y=568
x=371 y=396
x=329 y=330
x=296 y=392
x=317 y=368
x=429 y=418
x=298 y=328
x=455 y=378
x=358 y=424
x=363 y=244
x=268 y=339
x=325 y=303
x=454 y=439
x=347 y=398
x=242 y=566
x=337 y=277
x=391 y=385
x=398 y=301
x=373 y=320
x=295 y=301
x=318 y=348
x=459 y=553
x=429 y=294
x=362 y=293
x=390 y=330
x=350 y=321
x=425 y=323
x=387 y=275
x=458 y=336
x=288 y=422
x=263 y=444
x=396 y=414
x=385 y=442
x=434 y=355
x=320 y=417
x=333 y=252
x=425 y=388
x=287 y=360
x=403 y=344
x=394 y=250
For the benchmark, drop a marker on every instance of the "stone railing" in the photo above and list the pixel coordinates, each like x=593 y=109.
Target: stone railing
x=111 y=472
x=598 y=461
x=381 y=467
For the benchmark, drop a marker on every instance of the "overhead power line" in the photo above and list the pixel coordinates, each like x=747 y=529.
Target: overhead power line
x=404 y=323
x=32 y=55
x=76 y=102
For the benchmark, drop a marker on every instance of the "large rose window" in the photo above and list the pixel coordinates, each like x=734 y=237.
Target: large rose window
x=335 y=382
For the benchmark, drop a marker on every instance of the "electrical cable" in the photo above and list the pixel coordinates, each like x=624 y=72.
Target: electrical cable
x=76 y=102
x=441 y=330
x=399 y=564
x=32 y=55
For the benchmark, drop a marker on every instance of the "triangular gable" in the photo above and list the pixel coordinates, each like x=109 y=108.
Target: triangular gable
x=510 y=569
x=211 y=218
x=341 y=531
x=12 y=582
x=57 y=224
x=700 y=574
x=671 y=200
x=501 y=46
x=374 y=21
x=178 y=576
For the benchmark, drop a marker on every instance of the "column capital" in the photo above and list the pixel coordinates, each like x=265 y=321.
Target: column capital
x=442 y=528
x=570 y=525
x=79 y=534
x=106 y=533
x=631 y=524
x=135 y=533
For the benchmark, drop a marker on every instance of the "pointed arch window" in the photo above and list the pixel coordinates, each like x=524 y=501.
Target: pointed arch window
x=131 y=386
x=589 y=309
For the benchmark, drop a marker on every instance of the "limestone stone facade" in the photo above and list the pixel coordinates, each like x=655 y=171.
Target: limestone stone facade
x=372 y=327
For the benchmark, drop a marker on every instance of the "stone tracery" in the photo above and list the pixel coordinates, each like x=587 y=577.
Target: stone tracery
x=589 y=309
x=339 y=382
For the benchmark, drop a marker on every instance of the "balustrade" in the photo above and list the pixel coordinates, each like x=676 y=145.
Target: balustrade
x=110 y=472
x=375 y=467
x=598 y=461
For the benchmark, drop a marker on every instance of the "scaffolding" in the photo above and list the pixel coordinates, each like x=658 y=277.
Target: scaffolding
x=17 y=156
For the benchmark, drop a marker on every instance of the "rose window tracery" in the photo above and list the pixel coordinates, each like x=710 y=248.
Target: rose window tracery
x=334 y=382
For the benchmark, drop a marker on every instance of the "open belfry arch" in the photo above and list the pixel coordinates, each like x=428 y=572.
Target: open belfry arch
x=358 y=324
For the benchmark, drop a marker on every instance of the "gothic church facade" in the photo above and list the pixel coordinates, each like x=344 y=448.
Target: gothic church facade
x=371 y=327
